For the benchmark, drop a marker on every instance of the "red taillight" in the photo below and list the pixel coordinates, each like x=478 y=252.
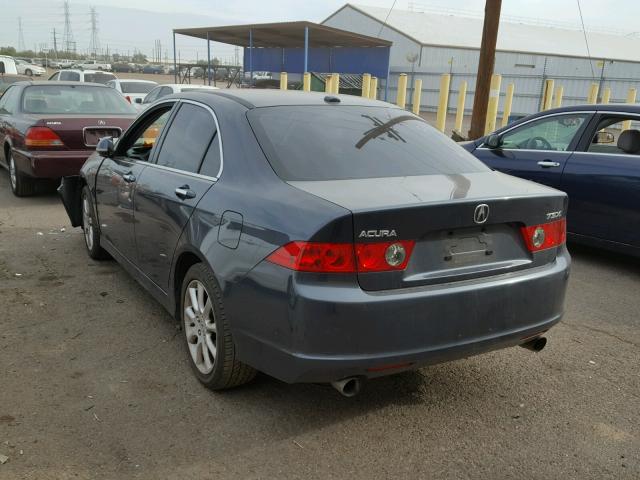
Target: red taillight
x=128 y=98
x=42 y=137
x=546 y=235
x=343 y=257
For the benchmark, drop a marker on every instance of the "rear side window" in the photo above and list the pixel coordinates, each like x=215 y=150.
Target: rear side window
x=186 y=142
x=345 y=142
x=213 y=159
x=70 y=76
x=98 y=77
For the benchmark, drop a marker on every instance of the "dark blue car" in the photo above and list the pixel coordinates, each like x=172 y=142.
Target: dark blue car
x=592 y=152
x=321 y=238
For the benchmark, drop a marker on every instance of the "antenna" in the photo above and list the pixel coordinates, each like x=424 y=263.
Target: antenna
x=21 y=45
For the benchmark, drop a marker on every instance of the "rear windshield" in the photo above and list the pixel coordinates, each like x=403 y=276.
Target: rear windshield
x=344 y=142
x=79 y=98
x=99 y=77
x=136 y=87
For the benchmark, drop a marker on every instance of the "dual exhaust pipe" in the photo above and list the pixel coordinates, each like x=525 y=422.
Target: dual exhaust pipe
x=351 y=386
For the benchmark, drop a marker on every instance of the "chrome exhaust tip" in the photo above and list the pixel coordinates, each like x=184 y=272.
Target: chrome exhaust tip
x=348 y=387
x=535 y=345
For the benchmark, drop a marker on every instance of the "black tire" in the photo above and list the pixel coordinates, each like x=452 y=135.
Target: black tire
x=21 y=185
x=227 y=370
x=28 y=72
x=90 y=227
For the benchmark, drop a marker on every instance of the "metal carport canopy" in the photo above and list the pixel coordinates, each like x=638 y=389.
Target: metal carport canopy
x=298 y=47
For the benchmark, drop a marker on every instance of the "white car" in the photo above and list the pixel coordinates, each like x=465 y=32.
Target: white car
x=82 y=76
x=133 y=90
x=93 y=65
x=164 y=90
x=26 y=68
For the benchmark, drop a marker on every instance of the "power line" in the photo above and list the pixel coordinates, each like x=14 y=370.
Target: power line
x=584 y=31
x=386 y=18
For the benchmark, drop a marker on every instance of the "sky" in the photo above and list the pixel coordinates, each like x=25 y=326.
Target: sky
x=125 y=25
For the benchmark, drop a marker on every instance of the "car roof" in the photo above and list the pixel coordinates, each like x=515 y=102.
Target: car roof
x=133 y=80
x=256 y=98
x=68 y=82
x=618 y=107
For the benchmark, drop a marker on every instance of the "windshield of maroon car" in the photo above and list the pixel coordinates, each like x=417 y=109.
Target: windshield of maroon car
x=137 y=87
x=81 y=99
x=344 y=142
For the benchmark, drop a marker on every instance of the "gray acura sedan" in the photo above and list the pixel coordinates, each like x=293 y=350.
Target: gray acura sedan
x=321 y=238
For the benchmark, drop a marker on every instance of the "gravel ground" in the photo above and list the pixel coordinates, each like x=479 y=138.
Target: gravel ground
x=95 y=384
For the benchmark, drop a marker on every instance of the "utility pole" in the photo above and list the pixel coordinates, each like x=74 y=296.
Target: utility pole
x=94 y=44
x=21 y=45
x=55 y=43
x=67 y=38
x=485 y=67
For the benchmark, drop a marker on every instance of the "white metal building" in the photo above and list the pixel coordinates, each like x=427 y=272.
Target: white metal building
x=527 y=54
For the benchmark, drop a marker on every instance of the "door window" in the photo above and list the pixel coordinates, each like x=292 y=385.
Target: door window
x=9 y=100
x=164 y=91
x=153 y=94
x=70 y=76
x=607 y=137
x=55 y=76
x=551 y=133
x=145 y=136
x=186 y=142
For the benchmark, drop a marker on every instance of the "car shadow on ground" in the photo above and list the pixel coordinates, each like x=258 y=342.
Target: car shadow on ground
x=599 y=257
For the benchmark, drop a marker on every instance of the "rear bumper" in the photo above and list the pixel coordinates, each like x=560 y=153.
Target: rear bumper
x=319 y=332
x=50 y=164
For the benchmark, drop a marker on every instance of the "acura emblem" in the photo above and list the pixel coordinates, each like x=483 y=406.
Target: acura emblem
x=101 y=122
x=481 y=213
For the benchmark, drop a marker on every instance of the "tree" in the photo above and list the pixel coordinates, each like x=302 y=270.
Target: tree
x=139 y=58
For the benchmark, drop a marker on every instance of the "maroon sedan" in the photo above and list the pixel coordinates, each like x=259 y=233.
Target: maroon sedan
x=47 y=129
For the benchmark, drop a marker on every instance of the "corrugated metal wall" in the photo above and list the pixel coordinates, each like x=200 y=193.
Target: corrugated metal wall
x=528 y=72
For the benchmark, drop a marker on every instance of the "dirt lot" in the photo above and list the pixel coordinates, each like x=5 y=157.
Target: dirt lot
x=95 y=385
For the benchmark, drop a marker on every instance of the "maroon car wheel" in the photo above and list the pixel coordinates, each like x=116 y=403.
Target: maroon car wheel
x=21 y=185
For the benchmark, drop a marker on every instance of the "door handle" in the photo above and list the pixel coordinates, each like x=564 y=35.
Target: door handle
x=185 y=193
x=548 y=164
x=129 y=177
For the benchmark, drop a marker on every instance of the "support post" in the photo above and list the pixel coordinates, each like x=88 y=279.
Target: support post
x=306 y=50
x=557 y=96
x=631 y=98
x=443 y=102
x=462 y=97
x=401 y=96
x=175 y=65
x=366 y=84
x=547 y=96
x=208 y=60
x=593 y=94
x=508 y=102
x=492 y=107
x=306 y=82
x=485 y=67
x=250 y=57
x=373 y=88
x=417 y=95
x=335 y=83
x=328 y=84
x=606 y=95
x=283 y=80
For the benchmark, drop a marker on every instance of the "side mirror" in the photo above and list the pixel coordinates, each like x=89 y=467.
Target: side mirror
x=105 y=147
x=493 y=141
x=138 y=100
x=603 y=137
x=2 y=69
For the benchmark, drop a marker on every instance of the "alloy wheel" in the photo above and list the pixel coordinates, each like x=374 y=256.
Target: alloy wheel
x=200 y=326
x=87 y=222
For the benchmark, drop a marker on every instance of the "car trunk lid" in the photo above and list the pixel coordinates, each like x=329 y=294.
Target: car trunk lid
x=441 y=214
x=83 y=132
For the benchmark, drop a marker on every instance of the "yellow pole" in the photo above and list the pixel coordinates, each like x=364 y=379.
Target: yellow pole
x=373 y=89
x=631 y=98
x=606 y=95
x=547 y=98
x=557 y=96
x=366 y=83
x=283 y=80
x=462 y=97
x=306 y=82
x=336 y=82
x=327 y=84
x=593 y=94
x=508 y=102
x=401 y=98
x=443 y=101
x=492 y=108
x=417 y=94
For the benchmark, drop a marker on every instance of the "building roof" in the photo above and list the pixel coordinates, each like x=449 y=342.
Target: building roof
x=283 y=35
x=447 y=30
